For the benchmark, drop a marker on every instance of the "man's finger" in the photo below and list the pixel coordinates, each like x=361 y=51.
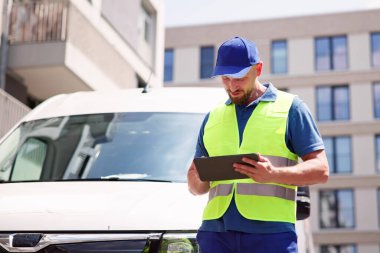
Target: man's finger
x=249 y=161
x=263 y=158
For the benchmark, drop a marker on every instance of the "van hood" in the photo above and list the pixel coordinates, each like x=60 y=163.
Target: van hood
x=100 y=206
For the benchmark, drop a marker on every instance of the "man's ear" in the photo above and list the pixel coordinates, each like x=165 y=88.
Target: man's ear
x=259 y=67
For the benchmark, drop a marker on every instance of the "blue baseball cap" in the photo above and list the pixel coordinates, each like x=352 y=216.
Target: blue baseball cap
x=236 y=57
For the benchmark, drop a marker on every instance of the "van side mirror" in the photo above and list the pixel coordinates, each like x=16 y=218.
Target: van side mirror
x=303 y=202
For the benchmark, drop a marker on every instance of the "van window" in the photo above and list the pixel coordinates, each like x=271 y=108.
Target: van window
x=8 y=150
x=112 y=146
x=29 y=161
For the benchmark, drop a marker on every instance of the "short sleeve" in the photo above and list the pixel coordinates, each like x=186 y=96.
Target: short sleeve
x=302 y=136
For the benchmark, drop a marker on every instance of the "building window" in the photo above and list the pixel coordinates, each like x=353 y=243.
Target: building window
x=331 y=53
x=207 y=62
x=336 y=208
x=376 y=100
x=333 y=103
x=377 y=153
x=279 y=57
x=146 y=25
x=348 y=248
x=338 y=151
x=168 y=65
x=375 y=49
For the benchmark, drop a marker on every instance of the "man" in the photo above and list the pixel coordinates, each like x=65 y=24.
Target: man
x=256 y=214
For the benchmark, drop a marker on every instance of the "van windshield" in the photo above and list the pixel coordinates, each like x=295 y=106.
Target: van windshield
x=114 y=146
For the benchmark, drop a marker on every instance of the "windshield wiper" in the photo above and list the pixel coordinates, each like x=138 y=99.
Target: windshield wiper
x=138 y=177
x=94 y=179
x=116 y=178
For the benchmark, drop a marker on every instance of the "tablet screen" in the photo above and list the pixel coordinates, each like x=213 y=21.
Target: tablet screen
x=221 y=167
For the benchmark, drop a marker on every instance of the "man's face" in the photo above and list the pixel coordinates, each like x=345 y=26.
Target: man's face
x=240 y=89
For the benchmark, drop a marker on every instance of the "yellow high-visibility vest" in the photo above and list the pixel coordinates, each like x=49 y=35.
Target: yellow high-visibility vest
x=264 y=134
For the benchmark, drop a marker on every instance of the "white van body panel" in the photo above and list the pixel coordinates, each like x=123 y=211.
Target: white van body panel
x=99 y=206
x=192 y=100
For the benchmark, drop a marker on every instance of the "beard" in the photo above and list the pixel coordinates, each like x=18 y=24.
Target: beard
x=243 y=99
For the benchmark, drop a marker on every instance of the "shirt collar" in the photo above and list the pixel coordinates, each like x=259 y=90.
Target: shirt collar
x=269 y=95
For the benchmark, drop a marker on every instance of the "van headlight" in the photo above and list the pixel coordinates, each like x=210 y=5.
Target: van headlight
x=179 y=243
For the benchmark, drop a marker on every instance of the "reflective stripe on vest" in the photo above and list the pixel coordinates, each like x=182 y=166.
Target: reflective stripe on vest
x=266 y=190
x=220 y=190
x=280 y=161
x=253 y=189
x=264 y=133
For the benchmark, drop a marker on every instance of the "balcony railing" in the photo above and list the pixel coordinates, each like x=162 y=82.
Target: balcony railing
x=38 y=21
x=11 y=111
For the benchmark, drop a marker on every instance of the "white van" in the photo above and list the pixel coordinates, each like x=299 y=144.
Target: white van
x=105 y=172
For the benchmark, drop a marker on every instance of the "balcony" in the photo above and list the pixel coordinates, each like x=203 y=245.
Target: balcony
x=62 y=46
x=38 y=21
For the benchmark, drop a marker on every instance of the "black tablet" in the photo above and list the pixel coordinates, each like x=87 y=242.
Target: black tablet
x=221 y=167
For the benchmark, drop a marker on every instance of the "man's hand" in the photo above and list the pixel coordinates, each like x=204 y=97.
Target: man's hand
x=313 y=170
x=196 y=186
x=261 y=171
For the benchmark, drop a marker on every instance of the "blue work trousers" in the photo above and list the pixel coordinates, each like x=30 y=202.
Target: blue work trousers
x=238 y=242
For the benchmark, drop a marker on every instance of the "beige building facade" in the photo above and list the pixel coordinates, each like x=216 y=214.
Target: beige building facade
x=64 y=46
x=332 y=61
x=61 y=46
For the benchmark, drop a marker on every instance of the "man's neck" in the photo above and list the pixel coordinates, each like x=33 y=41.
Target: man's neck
x=258 y=91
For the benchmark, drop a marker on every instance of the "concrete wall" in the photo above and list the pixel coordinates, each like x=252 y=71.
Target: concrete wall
x=368 y=248
x=361 y=109
x=91 y=47
x=126 y=18
x=186 y=65
x=359 y=51
x=363 y=160
x=123 y=17
x=301 y=56
x=271 y=29
x=366 y=218
x=147 y=65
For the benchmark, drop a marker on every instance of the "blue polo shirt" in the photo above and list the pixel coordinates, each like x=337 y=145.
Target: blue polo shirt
x=302 y=137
